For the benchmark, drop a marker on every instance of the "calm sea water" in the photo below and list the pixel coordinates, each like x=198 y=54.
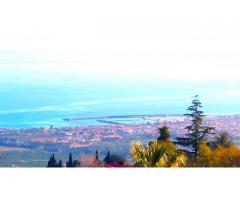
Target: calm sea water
x=43 y=105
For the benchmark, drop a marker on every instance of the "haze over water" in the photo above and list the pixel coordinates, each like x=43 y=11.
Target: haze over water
x=84 y=59
x=39 y=105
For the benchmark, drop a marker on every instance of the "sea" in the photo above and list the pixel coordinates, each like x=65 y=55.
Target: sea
x=42 y=105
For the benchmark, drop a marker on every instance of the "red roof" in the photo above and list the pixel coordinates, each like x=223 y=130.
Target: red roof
x=115 y=165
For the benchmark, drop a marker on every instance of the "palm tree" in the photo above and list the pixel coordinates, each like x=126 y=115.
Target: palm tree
x=157 y=155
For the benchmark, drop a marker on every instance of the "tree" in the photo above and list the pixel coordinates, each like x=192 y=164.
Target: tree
x=60 y=163
x=224 y=140
x=164 y=134
x=157 y=155
x=221 y=139
x=226 y=156
x=52 y=161
x=70 y=161
x=76 y=163
x=197 y=132
x=107 y=159
x=114 y=158
x=90 y=161
x=97 y=156
x=204 y=157
x=219 y=157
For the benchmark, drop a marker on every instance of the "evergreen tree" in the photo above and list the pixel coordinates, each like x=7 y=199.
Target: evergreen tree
x=107 y=159
x=114 y=158
x=197 y=133
x=52 y=161
x=70 y=161
x=76 y=163
x=224 y=140
x=60 y=163
x=164 y=134
x=97 y=156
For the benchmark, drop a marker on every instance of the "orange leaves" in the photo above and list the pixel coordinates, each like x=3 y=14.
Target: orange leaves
x=226 y=157
x=218 y=157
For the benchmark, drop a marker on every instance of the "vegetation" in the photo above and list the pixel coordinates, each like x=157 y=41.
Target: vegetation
x=88 y=161
x=218 y=157
x=164 y=134
x=91 y=161
x=114 y=158
x=197 y=132
x=199 y=148
x=222 y=140
x=224 y=153
x=60 y=163
x=52 y=162
x=70 y=161
x=157 y=155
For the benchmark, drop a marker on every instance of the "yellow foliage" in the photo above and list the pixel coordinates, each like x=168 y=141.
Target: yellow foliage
x=226 y=157
x=218 y=157
x=204 y=157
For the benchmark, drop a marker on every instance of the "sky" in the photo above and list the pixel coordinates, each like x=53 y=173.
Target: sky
x=59 y=41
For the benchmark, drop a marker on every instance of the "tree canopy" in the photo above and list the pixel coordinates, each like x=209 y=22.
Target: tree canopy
x=197 y=132
x=164 y=134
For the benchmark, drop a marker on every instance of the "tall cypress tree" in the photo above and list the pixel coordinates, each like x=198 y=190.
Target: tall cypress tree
x=96 y=155
x=70 y=161
x=197 y=132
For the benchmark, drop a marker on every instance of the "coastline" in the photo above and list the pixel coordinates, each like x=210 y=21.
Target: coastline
x=42 y=141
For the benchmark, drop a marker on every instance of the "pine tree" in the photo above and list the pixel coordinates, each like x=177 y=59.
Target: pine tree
x=197 y=132
x=70 y=161
x=60 y=163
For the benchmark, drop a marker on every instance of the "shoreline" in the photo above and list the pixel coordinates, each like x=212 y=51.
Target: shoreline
x=121 y=120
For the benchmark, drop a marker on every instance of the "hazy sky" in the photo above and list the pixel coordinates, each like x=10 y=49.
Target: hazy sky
x=71 y=40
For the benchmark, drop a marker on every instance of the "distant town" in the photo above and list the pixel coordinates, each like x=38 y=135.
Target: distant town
x=86 y=136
